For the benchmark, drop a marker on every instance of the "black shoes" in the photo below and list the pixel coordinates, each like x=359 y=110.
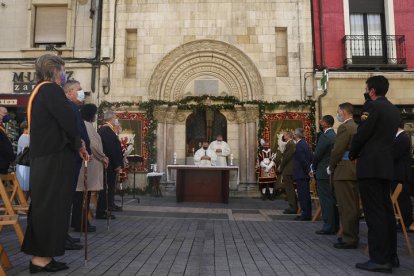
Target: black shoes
x=52 y=266
x=344 y=245
x=116 y=208
x=395 y=262
x=104 y=216
x=374 y=267
x=299 y=218
x=72 y=239
x=90 y=229
x=323 y=232
x=289 y=212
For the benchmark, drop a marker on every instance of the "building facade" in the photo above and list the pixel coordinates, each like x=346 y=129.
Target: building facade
x=358 y=39
x=31 y=28
x=171 y=50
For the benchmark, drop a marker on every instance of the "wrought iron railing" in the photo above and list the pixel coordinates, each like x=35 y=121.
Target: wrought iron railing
x=374 y=50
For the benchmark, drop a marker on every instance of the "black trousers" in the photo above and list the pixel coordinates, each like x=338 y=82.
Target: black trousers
x=379 y=215
x=77 y=209
x=404 y=201
x=101 y=205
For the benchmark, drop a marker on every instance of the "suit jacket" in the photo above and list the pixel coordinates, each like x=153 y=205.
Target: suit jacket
x=53 y=125
x=322 y=153
x=374 y=140
x=302 y=160
x=111 y=147
x=6 y=152
x=343 y=169
x=402 y=157
x=286 y=166
x=81 y=127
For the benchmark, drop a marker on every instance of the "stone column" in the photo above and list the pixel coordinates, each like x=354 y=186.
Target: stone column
x=170 y=118
x=159 y=115
x=241 y=120
x=252 y=116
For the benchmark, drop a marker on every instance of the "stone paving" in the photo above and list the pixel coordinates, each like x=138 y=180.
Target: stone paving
x=245 y=237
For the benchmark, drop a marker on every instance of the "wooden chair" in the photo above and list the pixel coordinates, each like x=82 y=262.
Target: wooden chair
x=4 y=259
x=15 y=193
x=398 y=217
x=315 y=199
x=8 y=208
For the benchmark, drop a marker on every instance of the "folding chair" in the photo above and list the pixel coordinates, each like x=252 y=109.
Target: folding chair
x=15 y=193
x=398 y=216
x=9 y=210
x=315 y=199
x=4 y=259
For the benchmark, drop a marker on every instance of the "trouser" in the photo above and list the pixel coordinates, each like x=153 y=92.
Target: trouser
x=77 y=209
x=304 y=197
x=404 y=201
x=347 y=196
x=328 y=205
x=379 y=215
x=78 y=166
x=110 y=185
x=290 y=192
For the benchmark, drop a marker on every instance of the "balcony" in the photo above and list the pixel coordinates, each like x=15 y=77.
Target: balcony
x=374 y=52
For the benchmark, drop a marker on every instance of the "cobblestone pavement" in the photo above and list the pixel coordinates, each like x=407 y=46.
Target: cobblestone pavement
x=245 y=237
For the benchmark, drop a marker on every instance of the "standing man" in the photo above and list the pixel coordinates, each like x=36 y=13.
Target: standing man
x=402 y=161
x=344 y=178
x=301 y=169
x=6 y=148
x=222 y=150
x=112 y=149
x=372 y=147
x=76 y=96
x=205 y=156
x=286 y=169
x=320 y=164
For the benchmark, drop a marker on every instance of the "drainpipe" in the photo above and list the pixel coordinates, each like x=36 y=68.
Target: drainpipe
x=322 y=40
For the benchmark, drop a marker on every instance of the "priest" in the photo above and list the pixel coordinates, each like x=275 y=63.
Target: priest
x=205 y=156
x=222 y=150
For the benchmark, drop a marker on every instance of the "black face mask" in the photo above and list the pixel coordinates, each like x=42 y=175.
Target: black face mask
x=321 y=128
x=205 y=148
x=366 y=96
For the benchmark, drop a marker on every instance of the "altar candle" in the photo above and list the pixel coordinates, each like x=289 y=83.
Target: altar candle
x=231 y=159
x=175 y=158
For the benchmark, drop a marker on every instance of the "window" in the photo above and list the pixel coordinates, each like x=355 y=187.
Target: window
x=131 y=53
x=368 y=34
x=50 y=25
x=282 y=66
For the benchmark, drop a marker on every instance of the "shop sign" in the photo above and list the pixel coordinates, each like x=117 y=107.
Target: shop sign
x=8 y=102
x=24 y=82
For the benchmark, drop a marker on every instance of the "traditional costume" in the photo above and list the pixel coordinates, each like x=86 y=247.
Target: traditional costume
x=266 y=172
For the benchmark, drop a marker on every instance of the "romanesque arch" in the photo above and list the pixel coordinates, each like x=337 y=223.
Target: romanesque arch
x=206 y=57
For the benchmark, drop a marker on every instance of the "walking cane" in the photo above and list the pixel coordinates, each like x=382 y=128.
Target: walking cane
x=108 y=215
x=84 y=219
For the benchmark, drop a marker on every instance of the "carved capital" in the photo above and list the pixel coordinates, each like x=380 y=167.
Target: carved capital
x=240 y=115
x=252 y=113
x=160 y=113
x=171 y=115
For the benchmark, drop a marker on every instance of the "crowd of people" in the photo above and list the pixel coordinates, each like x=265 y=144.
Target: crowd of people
x=355 y=170
x=355 y=167
x=63 y=142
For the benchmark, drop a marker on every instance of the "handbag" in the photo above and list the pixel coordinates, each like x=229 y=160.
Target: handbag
x=23 y=158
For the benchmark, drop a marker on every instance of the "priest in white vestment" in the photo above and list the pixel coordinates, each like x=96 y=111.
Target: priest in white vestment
x=205 y=156
x=222 y=150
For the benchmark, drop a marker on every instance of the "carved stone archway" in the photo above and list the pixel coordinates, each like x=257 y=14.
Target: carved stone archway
x=206 y=57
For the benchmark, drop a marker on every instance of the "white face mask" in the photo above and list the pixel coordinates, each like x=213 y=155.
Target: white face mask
x=81 y=96
x=117 y=122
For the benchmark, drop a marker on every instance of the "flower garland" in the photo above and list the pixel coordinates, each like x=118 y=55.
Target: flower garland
x=205 y=102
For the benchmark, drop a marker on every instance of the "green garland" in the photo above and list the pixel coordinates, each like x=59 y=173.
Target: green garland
x=207 y=102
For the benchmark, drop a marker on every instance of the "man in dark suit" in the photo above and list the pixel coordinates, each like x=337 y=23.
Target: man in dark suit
x=301 y=169
x=286 y=169
x=372 y=146
x=6 y=148
x=402 y=160
x=112 y=149
x=345 y=179
x=320 y=164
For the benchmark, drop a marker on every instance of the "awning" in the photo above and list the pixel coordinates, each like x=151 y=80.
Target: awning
x=14 y=100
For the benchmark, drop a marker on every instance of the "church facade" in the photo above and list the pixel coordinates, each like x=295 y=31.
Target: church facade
x=170 y=51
